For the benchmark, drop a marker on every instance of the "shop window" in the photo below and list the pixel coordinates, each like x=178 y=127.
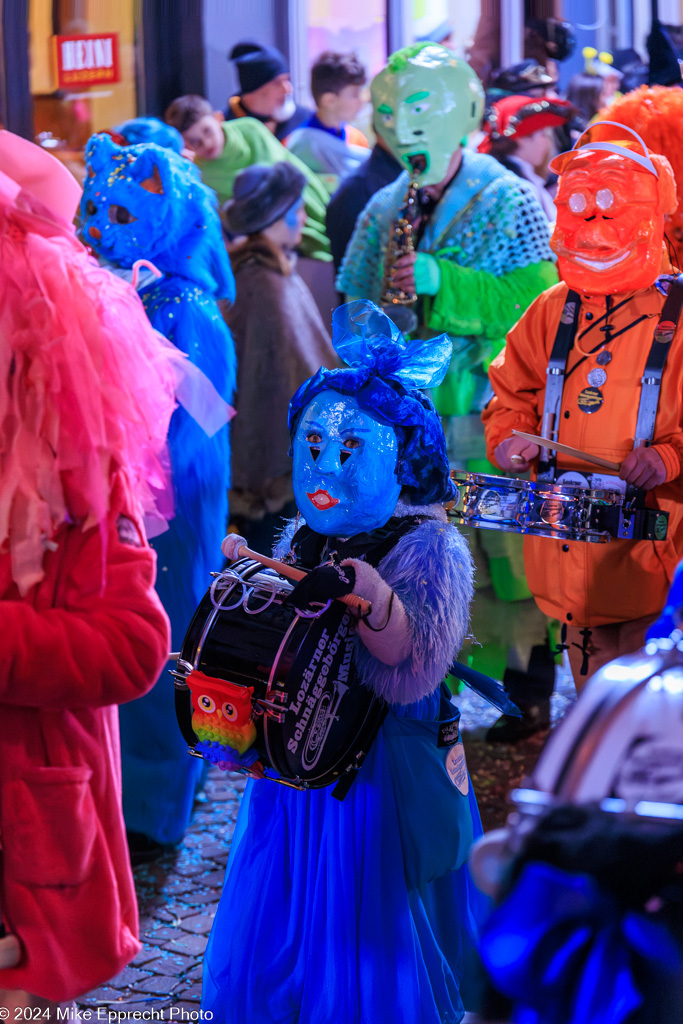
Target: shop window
x=346 y=26
x=349 y=25
x=82 y=72
x=451 y=23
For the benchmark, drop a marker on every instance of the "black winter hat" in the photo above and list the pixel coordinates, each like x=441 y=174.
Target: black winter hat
x=257 y=65
x=261 y=196
x=664 y=66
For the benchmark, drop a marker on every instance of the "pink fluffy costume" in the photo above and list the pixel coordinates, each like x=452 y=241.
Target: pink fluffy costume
x=86 y=395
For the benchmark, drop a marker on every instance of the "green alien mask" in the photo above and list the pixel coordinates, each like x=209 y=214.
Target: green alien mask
x=425 y=101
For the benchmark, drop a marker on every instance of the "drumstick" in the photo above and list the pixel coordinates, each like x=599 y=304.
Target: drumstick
x=352 y=600
x=545 y=442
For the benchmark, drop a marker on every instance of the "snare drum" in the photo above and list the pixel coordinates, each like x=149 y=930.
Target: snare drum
x=565 y=511
x=314 y=719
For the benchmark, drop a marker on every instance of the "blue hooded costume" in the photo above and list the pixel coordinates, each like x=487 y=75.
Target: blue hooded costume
x=362 y=911
x=146 y=202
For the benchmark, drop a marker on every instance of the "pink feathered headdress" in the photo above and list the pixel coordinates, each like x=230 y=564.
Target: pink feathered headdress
x=86 y=386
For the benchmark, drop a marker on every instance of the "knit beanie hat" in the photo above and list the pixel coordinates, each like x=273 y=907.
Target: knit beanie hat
x=257 y=65
x=261 y=196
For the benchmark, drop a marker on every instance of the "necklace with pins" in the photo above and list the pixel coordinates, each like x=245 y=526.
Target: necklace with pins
x=591 y=398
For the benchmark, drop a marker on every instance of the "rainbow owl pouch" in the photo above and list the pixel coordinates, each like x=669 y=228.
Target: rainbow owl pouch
x=223 y=721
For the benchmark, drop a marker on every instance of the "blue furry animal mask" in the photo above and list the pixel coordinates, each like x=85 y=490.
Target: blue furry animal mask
x=140 y=130
x=146 y=202
x=385 y=375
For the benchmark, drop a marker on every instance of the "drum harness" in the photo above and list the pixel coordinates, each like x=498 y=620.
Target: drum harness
x=647 y=409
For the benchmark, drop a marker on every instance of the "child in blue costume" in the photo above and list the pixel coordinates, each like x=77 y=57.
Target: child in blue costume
x=146 y=202
x=358 y=911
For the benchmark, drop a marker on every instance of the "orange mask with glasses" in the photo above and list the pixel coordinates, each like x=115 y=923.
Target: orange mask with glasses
x=611 y=202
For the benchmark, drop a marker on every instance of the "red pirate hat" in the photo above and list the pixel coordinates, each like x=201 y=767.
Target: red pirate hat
x=513 y=117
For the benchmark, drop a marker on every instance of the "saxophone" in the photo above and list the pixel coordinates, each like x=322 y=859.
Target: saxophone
x=400 y=244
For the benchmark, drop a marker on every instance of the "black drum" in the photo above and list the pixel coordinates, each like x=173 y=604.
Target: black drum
x=314 y=720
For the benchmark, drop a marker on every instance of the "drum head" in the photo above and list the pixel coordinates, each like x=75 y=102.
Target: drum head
x=314 y=718
x=330 y=716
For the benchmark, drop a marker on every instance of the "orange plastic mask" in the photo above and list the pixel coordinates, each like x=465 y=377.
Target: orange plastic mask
x=610 y=216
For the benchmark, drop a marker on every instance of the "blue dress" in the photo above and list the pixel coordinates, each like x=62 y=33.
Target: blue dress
x=159 y=778
x=317 y=921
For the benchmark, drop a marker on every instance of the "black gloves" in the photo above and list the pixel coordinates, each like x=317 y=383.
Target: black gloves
x=321 y=585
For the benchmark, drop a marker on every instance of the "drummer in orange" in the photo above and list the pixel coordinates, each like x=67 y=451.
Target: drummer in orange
x=612 y=200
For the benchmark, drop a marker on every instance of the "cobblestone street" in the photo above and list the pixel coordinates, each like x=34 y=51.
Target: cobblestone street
x=178 y=894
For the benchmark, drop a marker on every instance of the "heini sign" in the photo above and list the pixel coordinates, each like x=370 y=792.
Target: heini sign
x=87 y=60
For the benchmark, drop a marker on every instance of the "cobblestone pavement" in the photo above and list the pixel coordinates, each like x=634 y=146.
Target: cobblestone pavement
x=178 y=894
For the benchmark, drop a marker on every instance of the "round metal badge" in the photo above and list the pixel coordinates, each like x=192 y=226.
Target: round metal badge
x=597 y=377
x=603 y=358
x=590 y=400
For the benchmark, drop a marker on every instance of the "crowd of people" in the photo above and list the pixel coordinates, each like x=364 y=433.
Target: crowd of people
x=504 y=259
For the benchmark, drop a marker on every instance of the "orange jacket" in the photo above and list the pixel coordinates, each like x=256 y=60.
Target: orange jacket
x=594 y=584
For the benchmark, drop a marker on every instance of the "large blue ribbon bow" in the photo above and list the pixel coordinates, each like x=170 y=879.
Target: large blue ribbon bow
x=564 y=950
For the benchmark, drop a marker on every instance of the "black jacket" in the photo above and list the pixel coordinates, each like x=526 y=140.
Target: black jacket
x=351 y=198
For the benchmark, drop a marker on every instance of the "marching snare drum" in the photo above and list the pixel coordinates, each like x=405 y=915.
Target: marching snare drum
x=314 y=719
x=564 y=510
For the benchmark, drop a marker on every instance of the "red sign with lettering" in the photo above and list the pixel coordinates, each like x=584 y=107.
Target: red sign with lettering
x=87 y=60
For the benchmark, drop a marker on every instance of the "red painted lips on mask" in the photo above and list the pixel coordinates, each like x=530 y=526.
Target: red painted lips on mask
x=322 y=500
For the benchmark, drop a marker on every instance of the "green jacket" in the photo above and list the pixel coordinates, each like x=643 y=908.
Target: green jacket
x=477 y=310
x=248 y=142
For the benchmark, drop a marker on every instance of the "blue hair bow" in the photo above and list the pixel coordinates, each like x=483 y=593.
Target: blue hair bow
x=365 y=338
x=566 y=952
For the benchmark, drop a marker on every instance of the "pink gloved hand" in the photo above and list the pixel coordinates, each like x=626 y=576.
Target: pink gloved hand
x=386 y=632
x=643 y=467
x=514 y=454
x=231 y=545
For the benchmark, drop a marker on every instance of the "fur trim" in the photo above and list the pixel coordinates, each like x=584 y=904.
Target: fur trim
x=283 y=544
x=260 y=249
x=430 y=569
x=436 y=511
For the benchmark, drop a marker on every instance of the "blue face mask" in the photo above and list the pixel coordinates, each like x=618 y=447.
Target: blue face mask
x=291 y=218
x=344 y=467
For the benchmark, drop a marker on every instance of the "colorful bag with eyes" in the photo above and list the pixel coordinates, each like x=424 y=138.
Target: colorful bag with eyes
x=223 y=721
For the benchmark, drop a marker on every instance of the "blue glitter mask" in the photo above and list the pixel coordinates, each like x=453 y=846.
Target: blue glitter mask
x=147 y=202
x=344 y=467
x=385 y=377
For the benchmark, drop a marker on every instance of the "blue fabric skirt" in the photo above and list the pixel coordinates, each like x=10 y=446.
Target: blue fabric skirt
x=160 y=779
x=316 y=922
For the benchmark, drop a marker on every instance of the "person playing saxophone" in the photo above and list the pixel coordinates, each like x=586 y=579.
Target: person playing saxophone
x=480 y=256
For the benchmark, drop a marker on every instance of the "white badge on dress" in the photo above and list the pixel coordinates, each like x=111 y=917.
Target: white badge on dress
x=456 y=766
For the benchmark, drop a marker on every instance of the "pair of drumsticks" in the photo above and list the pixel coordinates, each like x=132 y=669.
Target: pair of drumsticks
x=362 y=607
x=545 y=442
